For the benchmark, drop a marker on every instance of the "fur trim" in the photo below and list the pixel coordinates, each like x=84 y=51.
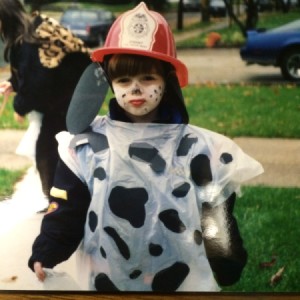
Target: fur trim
x=57 y=42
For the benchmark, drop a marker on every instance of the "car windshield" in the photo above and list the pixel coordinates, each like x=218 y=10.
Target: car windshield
x=105 y=15
x=217 y=3
x=75 y=16
x=293 y=26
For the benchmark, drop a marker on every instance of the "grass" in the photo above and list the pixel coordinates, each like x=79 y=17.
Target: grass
x=255 y=110
x=7 y=118
x=232 y=36
x=8 y=179
x=269 y=222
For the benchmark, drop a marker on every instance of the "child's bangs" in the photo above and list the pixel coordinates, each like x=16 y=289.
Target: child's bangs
x=131 y=65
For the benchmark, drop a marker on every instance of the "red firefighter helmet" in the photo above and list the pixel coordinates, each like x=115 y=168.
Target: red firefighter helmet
x=143 y=32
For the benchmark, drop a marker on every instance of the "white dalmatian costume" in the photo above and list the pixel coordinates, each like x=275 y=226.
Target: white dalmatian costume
x=148 y=205
x=143 y=229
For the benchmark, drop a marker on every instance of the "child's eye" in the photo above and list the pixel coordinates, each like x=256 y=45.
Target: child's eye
x=122 y=80
x=149 y=77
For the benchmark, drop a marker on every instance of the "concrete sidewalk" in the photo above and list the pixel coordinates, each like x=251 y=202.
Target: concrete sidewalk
x=19 y=226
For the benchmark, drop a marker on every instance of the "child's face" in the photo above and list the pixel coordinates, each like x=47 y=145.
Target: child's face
x=139 y=95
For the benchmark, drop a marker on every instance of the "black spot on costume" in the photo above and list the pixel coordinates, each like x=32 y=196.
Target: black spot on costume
x=129 y=204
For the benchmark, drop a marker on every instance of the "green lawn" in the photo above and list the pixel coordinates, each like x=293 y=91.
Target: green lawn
x=8 y=179
x=255 y=110
x=231 y=36
x=269 y=221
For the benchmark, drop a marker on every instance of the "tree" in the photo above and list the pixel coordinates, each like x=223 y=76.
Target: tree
x=157 y=5
x=180 y=15
x=37 y=4
x=205 y=11
x=251 y=15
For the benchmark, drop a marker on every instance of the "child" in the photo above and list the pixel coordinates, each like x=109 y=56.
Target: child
x=149 y=197
x=46 y=62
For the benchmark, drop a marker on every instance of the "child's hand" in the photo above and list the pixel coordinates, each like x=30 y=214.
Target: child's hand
x=39 y=272
x=6 y=88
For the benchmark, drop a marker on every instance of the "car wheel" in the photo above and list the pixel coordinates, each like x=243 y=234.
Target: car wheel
x=290 y=65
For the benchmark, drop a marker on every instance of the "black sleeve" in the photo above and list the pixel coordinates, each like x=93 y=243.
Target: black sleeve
x=62 y=227
x=47 y=90
x=226 y=253
x=33 y=83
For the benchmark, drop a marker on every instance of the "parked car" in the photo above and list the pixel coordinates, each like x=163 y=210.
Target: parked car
x=217 y=8
x=191 y=5
x=278 y=47
x=89 y=25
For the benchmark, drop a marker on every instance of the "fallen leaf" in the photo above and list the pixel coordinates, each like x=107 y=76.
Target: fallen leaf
x=268 y=264
x=277 y=277
x=10 y=279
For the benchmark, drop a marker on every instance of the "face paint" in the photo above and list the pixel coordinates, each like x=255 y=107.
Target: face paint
x=139 y=95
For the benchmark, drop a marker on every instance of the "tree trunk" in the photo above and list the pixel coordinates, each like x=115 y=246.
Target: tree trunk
x=180 y=15
x=205 y=11
x=252 y=14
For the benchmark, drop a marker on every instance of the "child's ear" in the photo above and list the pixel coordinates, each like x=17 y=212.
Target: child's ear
x=87 y=99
